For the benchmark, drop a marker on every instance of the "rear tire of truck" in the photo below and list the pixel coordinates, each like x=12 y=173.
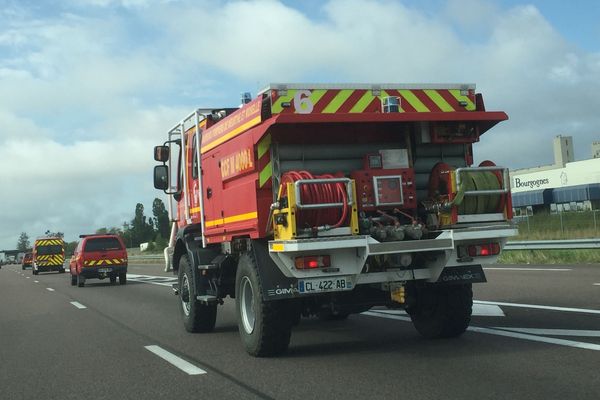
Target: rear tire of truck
x=80 y=280
x=265 y=326
x=61 y=271
x=113 y=279
x=442 y=311
x=73 y=280
x=122 y=278
x=197 y=317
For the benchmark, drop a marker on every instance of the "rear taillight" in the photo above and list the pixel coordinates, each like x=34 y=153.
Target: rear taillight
x=312 y=262
x=483 y=250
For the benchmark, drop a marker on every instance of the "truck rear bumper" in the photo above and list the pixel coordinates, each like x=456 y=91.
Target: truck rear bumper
x=103 y=272
x=48 y=268
x=349 y=254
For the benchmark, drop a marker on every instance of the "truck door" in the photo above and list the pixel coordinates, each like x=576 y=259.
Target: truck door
x=212 y=191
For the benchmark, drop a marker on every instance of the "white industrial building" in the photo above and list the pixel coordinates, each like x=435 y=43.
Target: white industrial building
x=566 y=185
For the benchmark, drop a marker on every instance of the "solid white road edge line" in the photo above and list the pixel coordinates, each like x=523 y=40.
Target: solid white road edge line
x=180 y=363
x=78 y=305
x=497 y=332
x=534 y=338
x=527 y=269
x=479 y=310
x=540 y=307
x=50 y=289
x=551 y=332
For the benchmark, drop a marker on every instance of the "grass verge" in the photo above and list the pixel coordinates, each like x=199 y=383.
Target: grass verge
x=550 y=257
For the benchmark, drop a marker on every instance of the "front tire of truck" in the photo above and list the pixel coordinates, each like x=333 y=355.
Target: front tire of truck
x=265 y=326
x=442 y=311
x=197 y=317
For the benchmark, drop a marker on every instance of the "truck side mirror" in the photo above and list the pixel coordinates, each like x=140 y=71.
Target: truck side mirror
x=161 y=177
x=161 y=153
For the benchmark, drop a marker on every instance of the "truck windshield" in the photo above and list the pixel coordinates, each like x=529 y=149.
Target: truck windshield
x=102 y=244
x=45 y=250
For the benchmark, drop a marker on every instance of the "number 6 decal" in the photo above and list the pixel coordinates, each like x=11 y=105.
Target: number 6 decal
x=302 y=102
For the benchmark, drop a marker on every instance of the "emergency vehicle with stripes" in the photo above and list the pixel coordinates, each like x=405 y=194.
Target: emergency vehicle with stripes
x=48 y=255
x=330 y=199
x=99 y=256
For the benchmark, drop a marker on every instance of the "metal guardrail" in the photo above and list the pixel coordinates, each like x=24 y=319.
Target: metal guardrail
x=571 y=244
x=147 y=257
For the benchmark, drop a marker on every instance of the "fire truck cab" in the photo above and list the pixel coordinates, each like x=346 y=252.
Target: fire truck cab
x=328 y=200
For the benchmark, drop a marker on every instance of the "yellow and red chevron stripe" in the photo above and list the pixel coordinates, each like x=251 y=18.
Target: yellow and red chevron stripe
x=263 y=155
x=104 y=261
x=49 y=242
x=332 y=101
x=50 y=259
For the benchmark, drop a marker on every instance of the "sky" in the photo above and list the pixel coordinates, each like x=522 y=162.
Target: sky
x=88 y=87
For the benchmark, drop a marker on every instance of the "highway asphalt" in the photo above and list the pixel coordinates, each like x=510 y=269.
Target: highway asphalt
x=535 y=335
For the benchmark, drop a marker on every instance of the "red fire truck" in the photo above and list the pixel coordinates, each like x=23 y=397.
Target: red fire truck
x=327 y=200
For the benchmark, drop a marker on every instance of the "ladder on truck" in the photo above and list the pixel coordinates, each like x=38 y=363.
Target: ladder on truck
x=176 y=136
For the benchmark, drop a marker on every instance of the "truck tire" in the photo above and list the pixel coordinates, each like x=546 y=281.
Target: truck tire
x=265 y=326
x=80 y=280
x=73 y=280
x=122 y=278
x=442 y=311
x=197 y=317
x=113 y=279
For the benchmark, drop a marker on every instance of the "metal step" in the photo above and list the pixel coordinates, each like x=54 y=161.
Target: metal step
x=175 y=289
x=205 y=267
x=207 y=299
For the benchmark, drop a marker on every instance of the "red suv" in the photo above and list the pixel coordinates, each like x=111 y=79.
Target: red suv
x=99 y=256
x=27 y=261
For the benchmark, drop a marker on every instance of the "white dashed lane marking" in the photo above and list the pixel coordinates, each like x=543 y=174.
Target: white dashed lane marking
x=50 y=289
x=78 y=305
x=178 y=362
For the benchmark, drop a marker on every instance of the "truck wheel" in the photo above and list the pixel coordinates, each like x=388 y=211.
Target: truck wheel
x=442 y=311
x=265 y=327
x=197 y=317
x=122 y=278
x=80 y=280
x=61 y=271
x=113 y=279
x=73 y=280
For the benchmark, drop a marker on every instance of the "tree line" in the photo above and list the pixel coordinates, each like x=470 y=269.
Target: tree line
x=154 y=230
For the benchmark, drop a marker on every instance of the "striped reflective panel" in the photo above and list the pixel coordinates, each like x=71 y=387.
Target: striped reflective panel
x=52 y=259
x=356 y=101
x=48 y=242
x=263 y=154
x=104 y=261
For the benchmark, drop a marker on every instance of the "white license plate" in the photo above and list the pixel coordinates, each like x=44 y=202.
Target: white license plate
x=104 y=269
x=334 y=284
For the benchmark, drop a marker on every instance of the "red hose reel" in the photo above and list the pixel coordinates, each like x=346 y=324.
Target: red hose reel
x=318 y=193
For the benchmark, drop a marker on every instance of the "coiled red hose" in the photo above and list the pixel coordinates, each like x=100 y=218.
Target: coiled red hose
x=318 y=193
